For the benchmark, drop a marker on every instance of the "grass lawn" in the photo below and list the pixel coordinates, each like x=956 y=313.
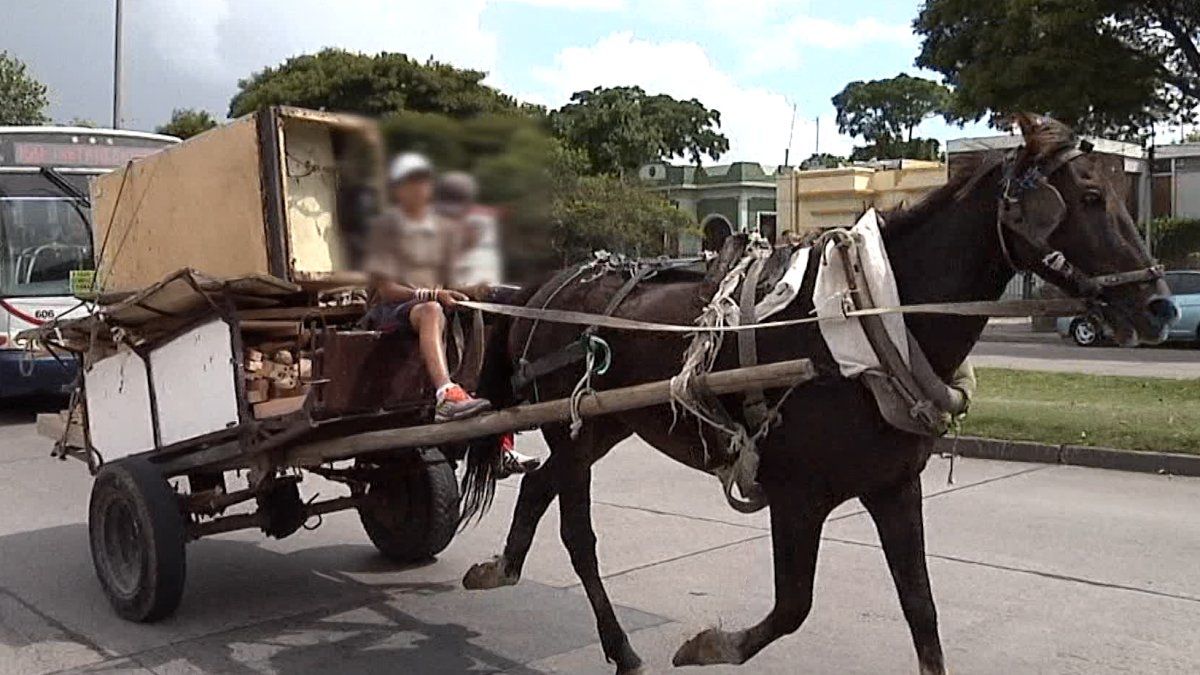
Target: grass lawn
x=1134 y=413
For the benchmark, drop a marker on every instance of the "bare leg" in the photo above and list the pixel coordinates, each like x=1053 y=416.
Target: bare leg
x=898 y=518
x=430 y=322
x=796 y=522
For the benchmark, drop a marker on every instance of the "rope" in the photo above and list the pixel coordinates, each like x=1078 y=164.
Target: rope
x=1010 y=308
x=593 y=346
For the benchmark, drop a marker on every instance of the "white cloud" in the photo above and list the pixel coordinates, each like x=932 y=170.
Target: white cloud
x=191 y=53
x=572 y=5
x=783 y=45
x=756 y=119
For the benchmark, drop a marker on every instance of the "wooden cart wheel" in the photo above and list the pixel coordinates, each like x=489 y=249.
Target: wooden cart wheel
x=411 y=514
x=137 y=537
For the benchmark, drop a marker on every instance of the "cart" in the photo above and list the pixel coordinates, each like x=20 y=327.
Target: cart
x=207 y=397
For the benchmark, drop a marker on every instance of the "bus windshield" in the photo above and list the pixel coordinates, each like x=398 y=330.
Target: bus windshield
x=44 y=235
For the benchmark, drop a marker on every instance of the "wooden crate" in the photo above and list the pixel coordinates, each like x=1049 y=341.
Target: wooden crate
x=278 y=192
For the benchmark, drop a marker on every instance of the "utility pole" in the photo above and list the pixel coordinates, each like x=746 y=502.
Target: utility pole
x=117 y=115
x=817 y=144
x=787 y=152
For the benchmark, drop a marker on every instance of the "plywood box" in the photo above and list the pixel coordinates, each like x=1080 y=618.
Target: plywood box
x=284 y=192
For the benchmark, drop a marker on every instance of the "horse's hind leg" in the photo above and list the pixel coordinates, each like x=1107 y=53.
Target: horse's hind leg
x=898 y=518
x=537 y=490
x=796 y=522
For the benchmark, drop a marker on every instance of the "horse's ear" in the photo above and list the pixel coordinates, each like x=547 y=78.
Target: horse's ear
x=1030 y=125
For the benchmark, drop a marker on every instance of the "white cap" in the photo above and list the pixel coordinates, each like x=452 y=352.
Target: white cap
x=407 y=165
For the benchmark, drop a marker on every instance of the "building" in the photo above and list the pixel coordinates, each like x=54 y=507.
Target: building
x=738 y=197
x=1176 y=188
x=819 y=199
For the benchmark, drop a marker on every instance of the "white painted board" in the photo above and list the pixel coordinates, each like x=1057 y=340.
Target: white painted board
x=117 y=392
x=194 y=383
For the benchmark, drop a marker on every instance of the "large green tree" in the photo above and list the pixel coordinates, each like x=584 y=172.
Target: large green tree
x=1104 y=66
x=620 y=128
x=22 y=98
x=885 y=113
x=187 y=122
x=335 y=79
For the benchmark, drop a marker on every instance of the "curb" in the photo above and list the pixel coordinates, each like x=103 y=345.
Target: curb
x=1174 y=464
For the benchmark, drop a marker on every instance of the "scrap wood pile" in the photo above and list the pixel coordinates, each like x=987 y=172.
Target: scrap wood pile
x=277 y=322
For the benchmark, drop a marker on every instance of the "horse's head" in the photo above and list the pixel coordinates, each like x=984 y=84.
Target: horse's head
x=1061 y=218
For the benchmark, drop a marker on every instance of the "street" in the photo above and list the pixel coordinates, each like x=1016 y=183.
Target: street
x=1176 y=361
x=1047 y=569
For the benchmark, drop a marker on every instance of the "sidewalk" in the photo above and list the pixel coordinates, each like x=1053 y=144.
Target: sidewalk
x=1016 y=330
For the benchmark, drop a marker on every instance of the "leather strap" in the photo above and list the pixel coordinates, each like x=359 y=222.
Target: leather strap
x=754 y=403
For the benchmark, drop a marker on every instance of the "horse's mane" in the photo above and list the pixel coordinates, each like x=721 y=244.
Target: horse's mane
x=904 y=218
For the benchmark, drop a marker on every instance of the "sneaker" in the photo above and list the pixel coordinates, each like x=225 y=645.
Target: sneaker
x=456 y=404
x=513 y=462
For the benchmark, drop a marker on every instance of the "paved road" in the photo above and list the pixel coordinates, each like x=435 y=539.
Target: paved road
x=1183 y=363
x=1042 y=569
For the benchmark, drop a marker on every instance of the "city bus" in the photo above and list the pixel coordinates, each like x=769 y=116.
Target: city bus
x=45 y=234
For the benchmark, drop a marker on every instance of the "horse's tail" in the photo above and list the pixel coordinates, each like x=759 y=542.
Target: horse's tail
x=495 y=384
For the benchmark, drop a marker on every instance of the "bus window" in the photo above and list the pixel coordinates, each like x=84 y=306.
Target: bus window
x=43 y=236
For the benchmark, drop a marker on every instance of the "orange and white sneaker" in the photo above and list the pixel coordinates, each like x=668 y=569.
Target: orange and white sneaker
x=513 y=462
x=454 y=403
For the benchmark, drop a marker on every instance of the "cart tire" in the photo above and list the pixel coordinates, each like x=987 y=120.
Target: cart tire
x=412 y=516
x=137 y=538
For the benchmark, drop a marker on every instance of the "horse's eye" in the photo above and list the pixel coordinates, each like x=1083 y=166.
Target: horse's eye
x=1092 y=197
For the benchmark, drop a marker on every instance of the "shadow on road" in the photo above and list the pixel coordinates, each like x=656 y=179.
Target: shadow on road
x=336 y=608
x=25 y=410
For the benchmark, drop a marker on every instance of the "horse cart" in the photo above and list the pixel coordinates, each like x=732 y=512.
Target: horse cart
x=206 y=397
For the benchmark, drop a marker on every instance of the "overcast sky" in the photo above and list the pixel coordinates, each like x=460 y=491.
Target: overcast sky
x=750 y=59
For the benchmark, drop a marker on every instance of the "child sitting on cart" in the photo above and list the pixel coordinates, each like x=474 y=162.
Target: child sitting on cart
x=414 y=253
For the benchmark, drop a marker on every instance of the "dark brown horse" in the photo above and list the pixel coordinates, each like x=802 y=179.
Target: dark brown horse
x=832 y=444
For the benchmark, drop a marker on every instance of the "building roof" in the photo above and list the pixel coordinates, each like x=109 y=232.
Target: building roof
x=672 y=176
x=1009 y=141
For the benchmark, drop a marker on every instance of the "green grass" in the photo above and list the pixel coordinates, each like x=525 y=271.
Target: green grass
x=1133 y=413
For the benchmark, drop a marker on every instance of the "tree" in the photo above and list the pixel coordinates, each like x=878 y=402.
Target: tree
x=1102 y=66
x=619 y=129
x=187 y=122
x=889 y=109
x=338 y=80
x=822 y=160
x=918 y=148
x=610 y=213
x=22 y=98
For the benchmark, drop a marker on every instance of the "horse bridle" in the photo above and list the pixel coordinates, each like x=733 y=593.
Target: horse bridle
x=1052 y=265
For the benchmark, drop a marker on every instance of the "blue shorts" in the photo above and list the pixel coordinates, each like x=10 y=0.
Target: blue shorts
x=391 y=317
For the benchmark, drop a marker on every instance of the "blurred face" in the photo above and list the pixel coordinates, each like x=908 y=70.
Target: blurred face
x=413 y=195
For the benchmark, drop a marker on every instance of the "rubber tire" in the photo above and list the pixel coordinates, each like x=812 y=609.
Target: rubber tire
x=1085 y=343
x=412 y=516
x=144 y=500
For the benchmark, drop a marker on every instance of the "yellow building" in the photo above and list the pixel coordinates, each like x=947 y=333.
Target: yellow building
x=824 y=198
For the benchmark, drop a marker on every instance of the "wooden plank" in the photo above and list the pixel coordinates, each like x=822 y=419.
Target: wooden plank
x=769 y=376
x=300 y=313
x=197 y=204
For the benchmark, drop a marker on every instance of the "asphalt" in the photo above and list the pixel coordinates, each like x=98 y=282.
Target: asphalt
x=1036 y=568
x=1051 y=354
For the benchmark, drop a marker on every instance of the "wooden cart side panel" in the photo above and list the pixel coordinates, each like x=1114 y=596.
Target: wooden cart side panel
x=310 y=198
x=197 y=204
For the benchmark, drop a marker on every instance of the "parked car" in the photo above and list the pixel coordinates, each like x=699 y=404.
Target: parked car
x=1185 y=291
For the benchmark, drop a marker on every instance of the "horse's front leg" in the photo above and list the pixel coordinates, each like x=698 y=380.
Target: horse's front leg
x=538 y=489
x=898 y=518
x=796 y=522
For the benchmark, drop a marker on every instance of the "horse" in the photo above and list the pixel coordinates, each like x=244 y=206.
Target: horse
x=963 y=242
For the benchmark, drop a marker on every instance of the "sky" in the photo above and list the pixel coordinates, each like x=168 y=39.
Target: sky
x=756 y=61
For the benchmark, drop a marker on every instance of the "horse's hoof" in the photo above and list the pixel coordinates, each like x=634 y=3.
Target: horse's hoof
x=708 y=648
x=487 y=575
x=636 y=670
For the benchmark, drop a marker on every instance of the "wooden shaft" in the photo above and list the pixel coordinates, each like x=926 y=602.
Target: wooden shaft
x=768 y=376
